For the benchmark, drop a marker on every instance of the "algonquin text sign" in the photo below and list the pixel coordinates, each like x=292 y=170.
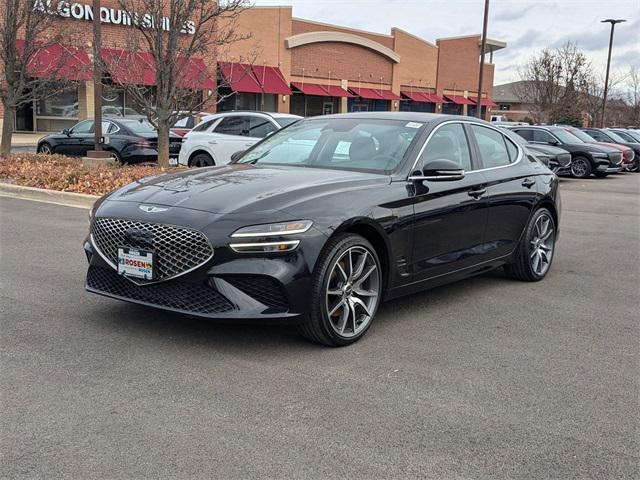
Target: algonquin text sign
x=115 y=16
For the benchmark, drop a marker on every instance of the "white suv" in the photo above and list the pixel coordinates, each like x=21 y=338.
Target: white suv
x=214 y=140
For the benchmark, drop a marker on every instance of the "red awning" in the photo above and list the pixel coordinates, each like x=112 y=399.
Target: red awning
x=239 y=77
x=367 y=93
x=321 y=90
x=271 y=80
x=245 y=78
x=388 y=95
x=458 y=99
x=195 y=76
x=311 y=89
x=435 y=98
x=335 y=91
x=58 y=61
x=485 y=102
x=133 y=68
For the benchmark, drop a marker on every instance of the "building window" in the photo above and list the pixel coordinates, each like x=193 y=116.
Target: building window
x=505 y=106
x=63 y=104
x=229 y=101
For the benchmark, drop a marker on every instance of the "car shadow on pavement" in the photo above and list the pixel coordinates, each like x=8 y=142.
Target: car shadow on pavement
x=149 y=322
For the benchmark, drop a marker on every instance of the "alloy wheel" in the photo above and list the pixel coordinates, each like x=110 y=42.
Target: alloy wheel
x=46 y=149
x=352 y=291
x=579 y=168
x=542 y=244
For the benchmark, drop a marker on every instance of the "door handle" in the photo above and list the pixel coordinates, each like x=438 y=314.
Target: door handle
x=528 y=182
x=477 y=193
x=212 y=142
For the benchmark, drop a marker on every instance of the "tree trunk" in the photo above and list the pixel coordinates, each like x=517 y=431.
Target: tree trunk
x=7 y=130
x=163 y=144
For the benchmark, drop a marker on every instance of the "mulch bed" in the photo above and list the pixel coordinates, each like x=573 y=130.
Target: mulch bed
x=66 y=174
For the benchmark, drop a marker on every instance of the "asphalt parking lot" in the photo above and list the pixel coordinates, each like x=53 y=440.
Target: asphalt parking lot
x=484 y=378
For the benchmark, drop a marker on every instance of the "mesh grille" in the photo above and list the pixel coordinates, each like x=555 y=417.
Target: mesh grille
x=615 y=157
x=264 y=289
x=177 y=249
x=185 y=297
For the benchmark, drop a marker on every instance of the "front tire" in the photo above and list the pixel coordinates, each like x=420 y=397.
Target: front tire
x=45 y=149
x=346 y=292
x=535 y=252
x=581 y=167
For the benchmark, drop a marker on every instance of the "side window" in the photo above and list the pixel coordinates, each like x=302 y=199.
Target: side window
x=526 y=134
x=83 y=127
x=108 y=127
x=542 y=136
x=182 y=123
x=448 y=142
x=260 y=127
x=493 y=150
x=235 y=125
x=598 y=136
x=201 y=127
x=512 y=149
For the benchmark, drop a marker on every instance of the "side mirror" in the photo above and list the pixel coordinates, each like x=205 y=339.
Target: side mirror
x=66 y=132
x=237 y=155
x=439 y=170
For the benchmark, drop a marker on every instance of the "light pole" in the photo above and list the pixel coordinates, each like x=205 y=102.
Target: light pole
x=606 y=78
x=482 y=48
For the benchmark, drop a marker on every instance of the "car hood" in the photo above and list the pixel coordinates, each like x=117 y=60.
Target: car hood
x=240 y=188
x=600 y=148
x=615 y=146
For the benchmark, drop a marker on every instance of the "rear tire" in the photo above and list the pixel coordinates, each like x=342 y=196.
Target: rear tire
x=345 y=293
x=202 y=160
x=581 y=167
x=534 y=254
x=115 y=156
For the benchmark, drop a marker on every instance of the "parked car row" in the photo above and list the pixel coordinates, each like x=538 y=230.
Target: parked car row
x=598 y=152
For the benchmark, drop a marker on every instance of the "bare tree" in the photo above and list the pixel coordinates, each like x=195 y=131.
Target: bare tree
x=633 y=95
x=552 y=82
x=27 y=30
x=593 y=91
x=173 y=34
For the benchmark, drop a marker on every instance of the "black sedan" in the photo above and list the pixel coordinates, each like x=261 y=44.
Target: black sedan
x=586 y=159
x=127 y=140
x=326 y=218
x=557 y=159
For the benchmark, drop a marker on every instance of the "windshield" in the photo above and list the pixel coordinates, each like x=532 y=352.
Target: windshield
x=566 y=137
x=141 y=126
x=634 y=135
x=584 y=136
x=615 y=137
x=339 y=143
x=284 y=121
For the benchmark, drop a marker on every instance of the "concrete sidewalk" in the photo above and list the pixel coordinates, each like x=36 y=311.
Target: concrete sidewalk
x=26 y=139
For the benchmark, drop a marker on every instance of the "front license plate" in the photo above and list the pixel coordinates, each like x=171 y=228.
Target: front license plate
x=136 y=263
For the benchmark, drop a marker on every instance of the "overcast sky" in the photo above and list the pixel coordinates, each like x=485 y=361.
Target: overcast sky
x=526 y=25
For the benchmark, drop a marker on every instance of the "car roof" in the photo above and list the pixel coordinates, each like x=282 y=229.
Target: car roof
x=405 y=116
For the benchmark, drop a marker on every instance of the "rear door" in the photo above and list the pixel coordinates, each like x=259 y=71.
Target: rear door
x=230 y=136
x=512 y=188
x=449 y=216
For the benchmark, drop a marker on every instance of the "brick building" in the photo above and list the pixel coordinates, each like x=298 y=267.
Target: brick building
x=298 y=66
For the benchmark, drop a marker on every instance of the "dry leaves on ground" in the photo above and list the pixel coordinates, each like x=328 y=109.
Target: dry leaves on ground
x=57 y=172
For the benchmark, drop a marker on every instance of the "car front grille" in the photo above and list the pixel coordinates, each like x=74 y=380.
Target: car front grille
x=266 y=290
x=564 y=159
x=183 y=297
x=615 y=158
x=177 y=249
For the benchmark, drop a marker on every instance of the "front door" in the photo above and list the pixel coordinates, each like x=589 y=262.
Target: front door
x=450 y=217
x=231 y=135
x=79 y=140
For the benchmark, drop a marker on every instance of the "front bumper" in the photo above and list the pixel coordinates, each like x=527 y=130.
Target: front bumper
x=227 y=285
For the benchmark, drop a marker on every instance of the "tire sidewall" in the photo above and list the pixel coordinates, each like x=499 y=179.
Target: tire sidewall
x=586 y=162
x=528 y=237
x=48 y=147
x=206 y=157
x=322 y=276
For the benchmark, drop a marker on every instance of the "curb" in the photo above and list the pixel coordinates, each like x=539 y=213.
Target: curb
x=69 y=199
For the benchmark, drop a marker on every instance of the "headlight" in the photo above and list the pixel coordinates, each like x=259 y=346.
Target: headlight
x=273 y=229
x=599 y=155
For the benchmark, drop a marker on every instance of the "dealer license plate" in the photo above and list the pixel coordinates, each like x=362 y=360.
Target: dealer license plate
x=136 y=263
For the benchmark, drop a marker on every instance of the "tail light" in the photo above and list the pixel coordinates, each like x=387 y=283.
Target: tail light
x=142 y=144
